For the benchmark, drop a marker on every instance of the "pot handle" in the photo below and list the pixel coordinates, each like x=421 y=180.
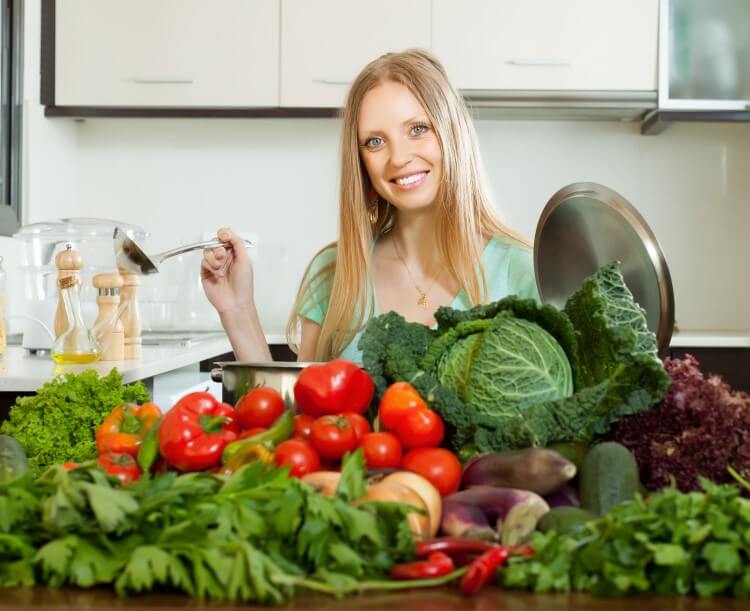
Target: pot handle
x=217 y=374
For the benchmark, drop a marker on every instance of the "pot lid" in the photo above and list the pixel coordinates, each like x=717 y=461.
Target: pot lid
x=586 y=225
x=75 y=229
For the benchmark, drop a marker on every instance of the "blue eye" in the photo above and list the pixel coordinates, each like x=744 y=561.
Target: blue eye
x=419 y=129
x=371 y=143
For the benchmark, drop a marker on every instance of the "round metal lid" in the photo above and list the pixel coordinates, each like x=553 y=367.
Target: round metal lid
x=586 y=225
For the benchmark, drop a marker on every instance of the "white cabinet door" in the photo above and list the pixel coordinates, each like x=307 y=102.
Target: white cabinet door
x=325 y=43
x=167 y=53
x=547 y=44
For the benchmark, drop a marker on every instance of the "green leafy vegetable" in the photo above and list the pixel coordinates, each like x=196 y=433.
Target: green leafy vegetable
x=256 y=536
x=58 y=423
x=514 y=374
x=674 y=543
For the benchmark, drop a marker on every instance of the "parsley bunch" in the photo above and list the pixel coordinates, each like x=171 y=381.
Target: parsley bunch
x=257 y=535
x=669 y=543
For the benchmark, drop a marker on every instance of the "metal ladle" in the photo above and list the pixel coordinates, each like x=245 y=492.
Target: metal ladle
x=130 y=258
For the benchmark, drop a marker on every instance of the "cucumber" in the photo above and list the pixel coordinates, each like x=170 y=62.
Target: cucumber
x=565 y=520
x=13 y=461
x=608 y=477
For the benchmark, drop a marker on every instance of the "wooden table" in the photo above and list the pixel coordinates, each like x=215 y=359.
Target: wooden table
x=438 y=599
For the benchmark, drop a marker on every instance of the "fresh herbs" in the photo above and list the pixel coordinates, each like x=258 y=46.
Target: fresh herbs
x=57 y=424
x=669 y=543
x=699 y=429
x=257 y=535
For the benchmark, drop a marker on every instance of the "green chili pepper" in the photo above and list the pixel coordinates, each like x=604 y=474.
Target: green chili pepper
x=148 y=451
x=280 y=430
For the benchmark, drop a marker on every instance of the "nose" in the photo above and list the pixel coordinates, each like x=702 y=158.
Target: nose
x=401 y=152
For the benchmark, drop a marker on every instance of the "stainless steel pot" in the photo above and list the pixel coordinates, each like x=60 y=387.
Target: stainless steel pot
x=238 y=377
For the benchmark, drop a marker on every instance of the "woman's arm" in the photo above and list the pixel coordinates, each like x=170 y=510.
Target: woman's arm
x=309 y=340
x=245 y=333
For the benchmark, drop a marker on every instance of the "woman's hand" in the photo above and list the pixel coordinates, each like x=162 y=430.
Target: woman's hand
x=227 y=274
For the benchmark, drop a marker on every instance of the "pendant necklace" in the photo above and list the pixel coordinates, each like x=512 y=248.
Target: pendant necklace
x=422 y=301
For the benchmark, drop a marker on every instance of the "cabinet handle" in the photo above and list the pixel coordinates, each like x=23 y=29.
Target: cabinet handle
x=538 y=62
x=144 y=80
x=326 y=81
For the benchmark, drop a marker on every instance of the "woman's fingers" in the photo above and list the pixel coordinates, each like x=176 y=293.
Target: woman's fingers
x=225 y=234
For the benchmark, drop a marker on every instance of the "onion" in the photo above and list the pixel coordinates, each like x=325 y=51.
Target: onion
x=399 y=493
x=424 y=488
x=324 y=482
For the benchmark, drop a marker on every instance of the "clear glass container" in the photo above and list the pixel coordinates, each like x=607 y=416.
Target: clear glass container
x=77 y=344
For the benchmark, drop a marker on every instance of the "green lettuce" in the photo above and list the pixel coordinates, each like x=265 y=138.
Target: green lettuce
x=514 y=373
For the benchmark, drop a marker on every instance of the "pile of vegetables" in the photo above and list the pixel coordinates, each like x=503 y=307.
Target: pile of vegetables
x=669 y=543
x=698 y=430
x=57 y=424
x=515 y=374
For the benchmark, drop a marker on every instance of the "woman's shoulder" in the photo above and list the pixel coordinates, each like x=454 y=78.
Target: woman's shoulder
x=325 y=257
x=509 y=265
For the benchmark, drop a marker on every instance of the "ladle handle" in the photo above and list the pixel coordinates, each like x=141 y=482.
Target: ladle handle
x=198 y=245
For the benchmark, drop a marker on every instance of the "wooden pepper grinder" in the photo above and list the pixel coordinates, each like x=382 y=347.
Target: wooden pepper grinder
x=131 y=317
x=110 y=331
x=69 y=263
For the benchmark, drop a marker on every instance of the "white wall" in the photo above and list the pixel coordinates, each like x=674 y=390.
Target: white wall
x=278 y=178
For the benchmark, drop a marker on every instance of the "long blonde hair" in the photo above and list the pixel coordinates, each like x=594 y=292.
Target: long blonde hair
x=466 y=218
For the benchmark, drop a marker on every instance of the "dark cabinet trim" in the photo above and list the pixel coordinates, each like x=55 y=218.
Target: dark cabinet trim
x=189 y=112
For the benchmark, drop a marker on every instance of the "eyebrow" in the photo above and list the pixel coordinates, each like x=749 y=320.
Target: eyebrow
x=421 y=117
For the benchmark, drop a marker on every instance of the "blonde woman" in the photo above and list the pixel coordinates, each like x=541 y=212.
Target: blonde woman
x=416 y=229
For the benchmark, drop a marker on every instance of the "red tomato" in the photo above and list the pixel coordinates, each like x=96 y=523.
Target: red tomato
x=252 y=432
x=358 y=423
x=299 y=454
x=382 y=450
x=259 y=407
x=303 y=426
x=121 y=466
x=333 y=436
x=420 y=428
x=438 y=465
x=398 y=399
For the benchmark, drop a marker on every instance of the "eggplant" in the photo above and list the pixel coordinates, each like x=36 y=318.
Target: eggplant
x=567 y=496
x=536 y=469
x=514 y=513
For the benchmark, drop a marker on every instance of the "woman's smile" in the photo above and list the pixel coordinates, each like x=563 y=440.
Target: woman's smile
x=409 y=182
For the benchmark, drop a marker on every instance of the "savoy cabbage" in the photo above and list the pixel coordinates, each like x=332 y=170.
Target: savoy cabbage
x=513 y=373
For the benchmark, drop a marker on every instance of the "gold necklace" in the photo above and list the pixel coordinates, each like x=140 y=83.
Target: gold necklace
x=422 y=301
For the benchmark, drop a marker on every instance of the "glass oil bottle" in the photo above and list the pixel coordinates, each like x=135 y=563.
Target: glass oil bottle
x=77 y=344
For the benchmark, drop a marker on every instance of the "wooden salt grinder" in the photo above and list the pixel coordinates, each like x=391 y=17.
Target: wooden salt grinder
x=131 y=317
x=69 y=263
x=111 y=335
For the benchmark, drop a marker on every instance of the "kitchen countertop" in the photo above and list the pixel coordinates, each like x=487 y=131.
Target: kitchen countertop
x=436 y=599
x=711 y=339
x=20 y=372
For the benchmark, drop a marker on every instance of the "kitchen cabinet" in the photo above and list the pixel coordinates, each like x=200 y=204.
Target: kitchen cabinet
x=325 y=43
x=594 y=45
x=171 y=53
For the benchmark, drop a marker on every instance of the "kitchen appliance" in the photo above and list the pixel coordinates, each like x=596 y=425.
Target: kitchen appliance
x=586 y=225
x=41 y=242
x=238 y=377
x=131 y=258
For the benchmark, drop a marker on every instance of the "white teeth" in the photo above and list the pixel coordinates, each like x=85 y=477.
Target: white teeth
x=411 y=179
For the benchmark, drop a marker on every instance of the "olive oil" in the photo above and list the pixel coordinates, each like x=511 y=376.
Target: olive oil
x=75 y=359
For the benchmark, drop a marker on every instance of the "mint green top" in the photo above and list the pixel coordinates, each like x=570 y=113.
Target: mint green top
x=508 y=267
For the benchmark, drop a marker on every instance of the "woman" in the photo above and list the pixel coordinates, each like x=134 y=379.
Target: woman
x=416 y=229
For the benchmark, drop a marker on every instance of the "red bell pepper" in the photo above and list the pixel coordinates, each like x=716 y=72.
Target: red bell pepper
x=121 y=466
x=123 y=430
x=332 y=388
x=193 y=434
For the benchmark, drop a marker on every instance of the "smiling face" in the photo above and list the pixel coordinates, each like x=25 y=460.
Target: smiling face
x=399 y=147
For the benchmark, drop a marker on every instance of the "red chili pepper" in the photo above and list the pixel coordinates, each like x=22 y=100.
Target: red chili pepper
x=452 y=546
x=193 y=434
x=436 y=565
x=483 y=569
x=332 y=388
